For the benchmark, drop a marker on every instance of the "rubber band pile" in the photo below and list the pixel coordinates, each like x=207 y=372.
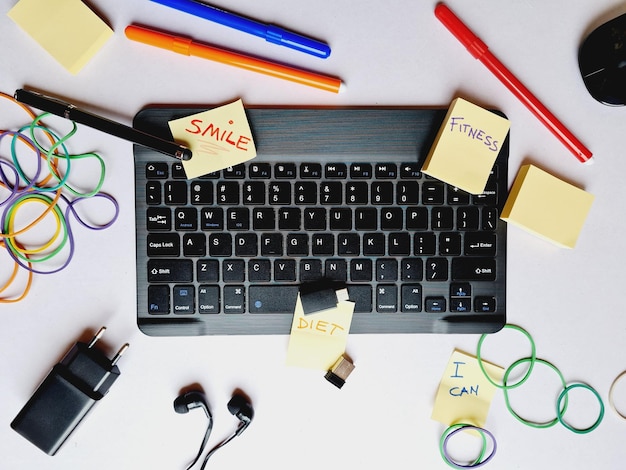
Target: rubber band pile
x=506 y=387
x=42 y=186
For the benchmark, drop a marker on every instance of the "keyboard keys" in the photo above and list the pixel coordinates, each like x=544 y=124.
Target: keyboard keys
x=336 y=171
x=381 y=228
x=202 y=193
x=194 y=244
x=170 y=270
x=386 y=170
x=163 y=244
x=234 y=299
x=233 y=270
x=157 y=170
x=208 y=299
x=474 y=269
x=411 y=300
x=285 y=170
x=360 y=170
x=183 y=299
x=175 y=193
x=386 y=298
x=228 y=193
x=311 y=170
x=158 y=218
x=153 y=192
x=260 y=170
x=273 y=299
x=158 y=300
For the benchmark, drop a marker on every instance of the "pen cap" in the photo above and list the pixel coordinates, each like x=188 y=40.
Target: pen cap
x=465 y=36
x=158 y=39
x=277 y=35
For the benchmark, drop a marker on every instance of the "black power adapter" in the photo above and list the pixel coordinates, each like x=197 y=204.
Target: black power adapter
x=73 y=386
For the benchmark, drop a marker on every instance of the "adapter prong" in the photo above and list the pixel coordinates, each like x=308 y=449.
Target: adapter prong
x=118 y=356
x=97 y=337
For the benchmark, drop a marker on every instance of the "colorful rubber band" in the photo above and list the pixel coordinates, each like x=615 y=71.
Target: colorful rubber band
x=563 y=395
x=456 y=428
x=506 y=394
x=533 y=357
x=612 y=392
x=18 y=190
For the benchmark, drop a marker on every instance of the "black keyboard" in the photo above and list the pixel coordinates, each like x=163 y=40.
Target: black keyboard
x=335 y=197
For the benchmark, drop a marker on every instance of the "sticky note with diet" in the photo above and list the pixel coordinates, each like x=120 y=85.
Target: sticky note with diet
x=544 y=205
x=465 y=394
x=218 y=138
x=466 y=146
x=318 y=339
x=67 y=29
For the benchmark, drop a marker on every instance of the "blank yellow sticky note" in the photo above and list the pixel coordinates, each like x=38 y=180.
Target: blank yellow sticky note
x=318 y=339
x=465 y=394
x=67 y=29
x=218 y=138
x=466 y=146
x=547 y=206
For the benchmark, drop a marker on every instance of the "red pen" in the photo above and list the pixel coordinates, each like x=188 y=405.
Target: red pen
x=481 y=52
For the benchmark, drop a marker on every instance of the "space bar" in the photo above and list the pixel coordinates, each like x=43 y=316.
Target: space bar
x=272 y=299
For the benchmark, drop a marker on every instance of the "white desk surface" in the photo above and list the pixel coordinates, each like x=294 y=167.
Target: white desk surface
x=388 y=53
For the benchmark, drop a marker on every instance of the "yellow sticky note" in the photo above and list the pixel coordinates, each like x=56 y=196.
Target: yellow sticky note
x=218 y=138
x=465 y=394
x=67 y=29
x=318 y=339
x=547 y=206
x=466 y=146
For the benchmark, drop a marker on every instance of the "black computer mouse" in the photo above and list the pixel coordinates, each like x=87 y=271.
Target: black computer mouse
x=602 y=61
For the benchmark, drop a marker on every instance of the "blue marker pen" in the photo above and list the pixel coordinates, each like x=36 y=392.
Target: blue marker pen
x=271 y=33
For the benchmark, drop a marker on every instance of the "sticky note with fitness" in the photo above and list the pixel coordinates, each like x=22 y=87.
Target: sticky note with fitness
x=466 y=146
x=465 y=394
x=318 y=339
x=67 y=29
x=218 y=138
x=544 y=205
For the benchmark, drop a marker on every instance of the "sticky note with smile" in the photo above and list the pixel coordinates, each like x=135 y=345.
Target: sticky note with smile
x=466 y=146
x=218 y=138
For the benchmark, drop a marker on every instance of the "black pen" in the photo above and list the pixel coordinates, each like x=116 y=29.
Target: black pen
x=71 y=112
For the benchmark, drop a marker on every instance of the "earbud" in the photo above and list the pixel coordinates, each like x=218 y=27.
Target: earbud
x=190 y=400
x=242 y=410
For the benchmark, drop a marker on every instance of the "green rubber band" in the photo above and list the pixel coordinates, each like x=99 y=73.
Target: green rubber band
x=532 y=359
x=506 y=394
x=559 y=414
x=51 y=155
x=480 y=457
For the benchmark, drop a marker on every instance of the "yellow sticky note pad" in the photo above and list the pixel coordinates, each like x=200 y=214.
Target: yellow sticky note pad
x=67 y=29
x=547 y=206
x=318 y=339
x=466 y=146
x=218 y=138
x=465 y=394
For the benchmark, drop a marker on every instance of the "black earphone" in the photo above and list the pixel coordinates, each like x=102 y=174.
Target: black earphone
x=189 y=401
x=238 y=406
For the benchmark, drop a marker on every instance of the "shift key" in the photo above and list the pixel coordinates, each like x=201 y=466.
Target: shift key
x=170 y=270
x=474 y=269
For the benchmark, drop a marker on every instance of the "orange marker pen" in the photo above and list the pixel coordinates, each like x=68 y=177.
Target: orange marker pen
x=189 y=47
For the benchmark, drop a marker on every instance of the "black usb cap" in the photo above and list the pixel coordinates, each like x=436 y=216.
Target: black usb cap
x=73 y=386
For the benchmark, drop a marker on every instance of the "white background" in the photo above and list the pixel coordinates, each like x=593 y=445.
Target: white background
x=387 y=53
